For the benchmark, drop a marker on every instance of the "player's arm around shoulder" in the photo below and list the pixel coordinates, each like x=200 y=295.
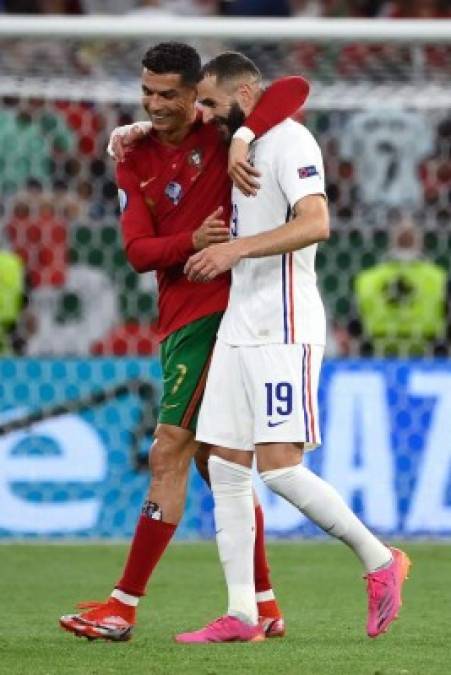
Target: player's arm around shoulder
x=123 y=139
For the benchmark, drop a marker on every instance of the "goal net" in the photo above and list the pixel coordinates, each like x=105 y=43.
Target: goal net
x=380 y=109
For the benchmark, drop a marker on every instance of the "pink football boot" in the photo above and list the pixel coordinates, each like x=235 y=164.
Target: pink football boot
x=225 y=629
x=384 y=593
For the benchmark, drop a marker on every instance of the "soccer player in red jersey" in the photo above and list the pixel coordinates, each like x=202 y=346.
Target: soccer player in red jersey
x=174 y=194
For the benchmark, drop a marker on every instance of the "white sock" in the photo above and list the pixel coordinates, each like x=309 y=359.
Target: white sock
x=126 y=598
x=265 y=596
x=320 y=502
x=231 y=485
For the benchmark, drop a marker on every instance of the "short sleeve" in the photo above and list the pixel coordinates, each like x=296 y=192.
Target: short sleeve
x=300 y=165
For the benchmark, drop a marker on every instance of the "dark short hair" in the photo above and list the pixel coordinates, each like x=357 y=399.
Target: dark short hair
x=230 y=65
x=174 y=57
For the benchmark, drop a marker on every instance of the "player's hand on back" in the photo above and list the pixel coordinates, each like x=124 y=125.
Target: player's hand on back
x=212 y=231
x=123 y=138
x=242 y=173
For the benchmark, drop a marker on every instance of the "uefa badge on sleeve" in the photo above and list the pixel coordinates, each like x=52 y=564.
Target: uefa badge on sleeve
x=307 y=171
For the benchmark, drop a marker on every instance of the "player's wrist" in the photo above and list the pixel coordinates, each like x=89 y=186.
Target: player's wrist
x=195 y=240
x=245 y=134
x=240 y=248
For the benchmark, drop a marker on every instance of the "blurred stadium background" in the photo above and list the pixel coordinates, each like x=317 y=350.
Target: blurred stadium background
x=79 y=374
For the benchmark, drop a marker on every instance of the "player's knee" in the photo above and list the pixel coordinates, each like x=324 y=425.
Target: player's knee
x=278 y=456
x=229 y=479
x=171 y=453
x=165 y=465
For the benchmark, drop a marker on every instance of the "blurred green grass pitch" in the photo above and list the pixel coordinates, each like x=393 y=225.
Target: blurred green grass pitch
x=318 y=585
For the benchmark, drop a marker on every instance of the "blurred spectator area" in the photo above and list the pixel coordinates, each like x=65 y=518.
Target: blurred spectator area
x=181 y=7
x=402 y=303
x=327 y=8
x=118 y=60
x=12 y=300
x=60 y=216
x=60 y=213
x=58 y=208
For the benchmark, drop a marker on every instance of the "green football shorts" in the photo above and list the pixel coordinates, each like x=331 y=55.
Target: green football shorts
x=185 y=358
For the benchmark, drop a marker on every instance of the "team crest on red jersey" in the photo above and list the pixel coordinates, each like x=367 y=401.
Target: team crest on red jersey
x=195 y=158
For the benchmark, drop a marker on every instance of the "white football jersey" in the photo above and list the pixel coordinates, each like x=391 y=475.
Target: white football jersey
x=386 y=147
x=275 y=300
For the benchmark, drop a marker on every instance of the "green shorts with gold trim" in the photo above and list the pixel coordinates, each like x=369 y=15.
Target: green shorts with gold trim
x=185 y=358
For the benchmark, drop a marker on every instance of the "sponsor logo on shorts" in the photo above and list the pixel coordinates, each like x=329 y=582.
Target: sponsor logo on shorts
x=276 y=424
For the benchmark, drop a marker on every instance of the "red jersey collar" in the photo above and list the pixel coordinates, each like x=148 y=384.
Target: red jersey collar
x=187 y=142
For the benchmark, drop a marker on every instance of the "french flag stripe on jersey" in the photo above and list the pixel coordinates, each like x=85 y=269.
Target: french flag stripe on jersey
x=309 y=394
x=284 y=299
x=291 y=297
x=304 y=397
x=309 y=418
x=288 y=298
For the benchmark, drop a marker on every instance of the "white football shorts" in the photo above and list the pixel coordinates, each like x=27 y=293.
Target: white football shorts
x=261 y=394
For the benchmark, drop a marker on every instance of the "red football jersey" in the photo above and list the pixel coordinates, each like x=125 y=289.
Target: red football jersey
x=167 y=192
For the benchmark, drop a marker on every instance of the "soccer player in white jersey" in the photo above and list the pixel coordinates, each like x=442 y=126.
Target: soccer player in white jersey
x=261 y=393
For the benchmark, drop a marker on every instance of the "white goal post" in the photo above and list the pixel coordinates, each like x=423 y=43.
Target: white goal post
x=261 y=29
